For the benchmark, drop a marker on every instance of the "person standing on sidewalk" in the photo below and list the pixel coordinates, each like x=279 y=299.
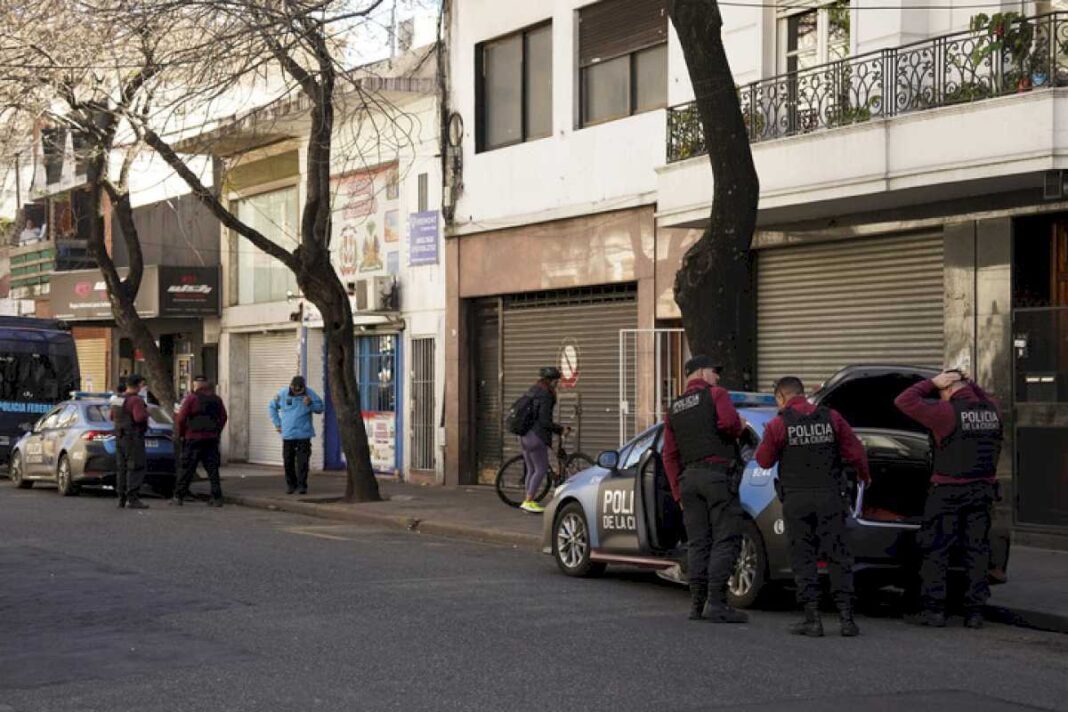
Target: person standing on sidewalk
x=199 y=424
x=811 y=445
x=291 y=412
x=966 y=434
x=537 y=441
x=131 y=422
x=701 y=457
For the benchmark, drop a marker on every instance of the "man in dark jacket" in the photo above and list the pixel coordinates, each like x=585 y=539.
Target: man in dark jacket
x=966 y=434
x=701 y=432
x=537 y=442
x=198 y=425
x=811 y=445
x=131 y=422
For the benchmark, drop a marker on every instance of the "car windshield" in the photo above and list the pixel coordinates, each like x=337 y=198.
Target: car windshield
x=159 y=415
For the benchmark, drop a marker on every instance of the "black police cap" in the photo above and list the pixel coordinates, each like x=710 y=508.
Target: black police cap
x=698 y=362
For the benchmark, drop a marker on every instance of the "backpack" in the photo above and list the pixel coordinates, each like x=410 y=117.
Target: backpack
x=521 y=415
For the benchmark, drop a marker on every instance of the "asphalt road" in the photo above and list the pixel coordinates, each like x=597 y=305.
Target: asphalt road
x=199 y=609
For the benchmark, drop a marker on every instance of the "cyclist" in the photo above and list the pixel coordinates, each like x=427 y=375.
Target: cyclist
x=537 y=441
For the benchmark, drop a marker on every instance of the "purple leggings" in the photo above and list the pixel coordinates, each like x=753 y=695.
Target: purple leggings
x=536 y=459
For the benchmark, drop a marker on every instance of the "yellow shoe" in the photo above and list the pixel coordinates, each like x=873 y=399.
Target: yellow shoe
x=532 y=507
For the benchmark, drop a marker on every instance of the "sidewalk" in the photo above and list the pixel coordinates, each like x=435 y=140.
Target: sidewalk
x=465 y=512
x=1036 y=595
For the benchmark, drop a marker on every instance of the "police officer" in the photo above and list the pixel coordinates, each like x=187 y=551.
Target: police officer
x=131 y=421
x=199 y=424
x=702 y=460
x=966 y=433
x=811 y=445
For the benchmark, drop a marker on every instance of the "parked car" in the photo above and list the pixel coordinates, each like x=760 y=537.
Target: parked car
x=622 y=512
x=73 y=445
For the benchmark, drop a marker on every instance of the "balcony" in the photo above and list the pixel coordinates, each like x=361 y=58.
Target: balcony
x=1027 y=55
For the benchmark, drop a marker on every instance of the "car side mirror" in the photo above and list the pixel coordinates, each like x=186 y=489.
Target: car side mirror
x=26 y=427
x=609 y=460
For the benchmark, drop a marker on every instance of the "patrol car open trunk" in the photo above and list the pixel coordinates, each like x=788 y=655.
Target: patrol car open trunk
x=899 y=451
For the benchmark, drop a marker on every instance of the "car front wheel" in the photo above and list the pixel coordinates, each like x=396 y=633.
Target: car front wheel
x=64 y=479
x=750 y=569
x=15 y=472
x=571 y=543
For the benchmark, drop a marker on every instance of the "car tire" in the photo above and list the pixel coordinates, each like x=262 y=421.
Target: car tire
x=65 y=478
x=750 y=570
x=14 y=472
x=571 y=543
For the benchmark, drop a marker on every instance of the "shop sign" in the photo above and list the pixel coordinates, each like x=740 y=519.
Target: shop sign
x=382 y=438
x=423 y=238
x=188 y=291
x=81 y=295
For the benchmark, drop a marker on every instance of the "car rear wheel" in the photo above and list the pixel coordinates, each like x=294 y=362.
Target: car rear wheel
x=64 y=479
x=571 y=543
x=750 y=569
x=15 y=472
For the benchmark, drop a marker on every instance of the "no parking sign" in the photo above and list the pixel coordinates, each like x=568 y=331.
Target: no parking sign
x=569 y=363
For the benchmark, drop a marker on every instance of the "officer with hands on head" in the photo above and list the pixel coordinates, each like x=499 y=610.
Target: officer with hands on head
x=966 y=433
x=701 y=458
x=811 y=444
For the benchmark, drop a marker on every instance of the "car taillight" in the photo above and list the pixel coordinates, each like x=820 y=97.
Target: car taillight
x=97 y=435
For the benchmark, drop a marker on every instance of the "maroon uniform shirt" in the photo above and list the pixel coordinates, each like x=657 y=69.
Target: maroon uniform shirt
x=849 y=446
x=190 y=407
x=730 y=424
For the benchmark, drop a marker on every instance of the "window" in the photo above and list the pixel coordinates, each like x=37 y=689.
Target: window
x=260 y=277
x=376 y=373
x=515 y=98
x=813 y=36
x=641 y=446
x=49 y=420
x=622 y=59
x=96 y=413
x=68 y=418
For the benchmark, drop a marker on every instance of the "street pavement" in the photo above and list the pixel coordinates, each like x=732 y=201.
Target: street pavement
x=238 y=609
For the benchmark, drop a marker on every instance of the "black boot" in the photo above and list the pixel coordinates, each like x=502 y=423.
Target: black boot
x=135 y=503
x=810 y=625
x=122 y=501
x=177 y=500
x=698 y=596
x=718 y=611
x=973 y=619
x=848 y=625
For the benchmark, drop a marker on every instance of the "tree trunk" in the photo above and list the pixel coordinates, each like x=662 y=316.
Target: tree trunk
x=122 y=293
x=714 y=287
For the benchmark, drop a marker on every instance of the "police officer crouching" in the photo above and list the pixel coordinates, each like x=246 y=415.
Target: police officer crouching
x=701 y=458
x=811 y=443
x=966 y=435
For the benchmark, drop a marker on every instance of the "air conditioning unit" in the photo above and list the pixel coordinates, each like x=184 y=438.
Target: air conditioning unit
x=376 y=294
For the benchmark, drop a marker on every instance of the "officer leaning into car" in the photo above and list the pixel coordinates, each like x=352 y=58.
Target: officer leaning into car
x=811 y=444
x=131 y=422
x=966 y=435
x=702 y=461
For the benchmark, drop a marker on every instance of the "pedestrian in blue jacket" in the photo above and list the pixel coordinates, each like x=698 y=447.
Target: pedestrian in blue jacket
x=291 y=412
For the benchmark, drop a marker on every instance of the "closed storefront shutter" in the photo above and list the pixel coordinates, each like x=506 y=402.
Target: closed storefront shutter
x=825 y=306
x=92 y=347
x=488 y=412
x=272 y=364
x=538 y=328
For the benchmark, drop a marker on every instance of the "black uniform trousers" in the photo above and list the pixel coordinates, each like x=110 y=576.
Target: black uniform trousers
x=713 y=518
x=204 y=452
x=296 y=455
x=956 y=516
x=130 y=463
x=815 y=528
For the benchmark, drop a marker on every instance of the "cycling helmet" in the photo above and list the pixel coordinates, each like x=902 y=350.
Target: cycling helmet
x=550 y=373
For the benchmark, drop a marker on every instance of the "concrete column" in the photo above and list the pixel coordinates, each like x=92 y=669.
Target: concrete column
x=959 y=260
x=457 y=407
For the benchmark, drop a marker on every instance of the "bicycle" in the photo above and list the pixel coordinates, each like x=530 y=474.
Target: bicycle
x=511 y=482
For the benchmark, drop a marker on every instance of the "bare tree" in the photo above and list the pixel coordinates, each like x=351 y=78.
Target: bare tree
x=51 y=74
x=714 y=288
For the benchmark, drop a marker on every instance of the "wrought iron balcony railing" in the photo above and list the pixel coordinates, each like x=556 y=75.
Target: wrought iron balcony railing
x=1028 y=54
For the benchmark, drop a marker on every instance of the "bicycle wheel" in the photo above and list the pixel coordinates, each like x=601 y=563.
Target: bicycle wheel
x=576 y=463
x=511 y=482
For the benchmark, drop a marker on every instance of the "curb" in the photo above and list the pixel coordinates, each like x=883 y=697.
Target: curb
x=393 y=521
x=1023 y=618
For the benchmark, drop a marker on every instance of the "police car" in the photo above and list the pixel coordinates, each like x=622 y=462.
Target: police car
x=73 y=445
x=622 y=512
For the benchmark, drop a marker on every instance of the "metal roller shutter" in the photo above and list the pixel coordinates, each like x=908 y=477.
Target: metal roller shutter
x=92 y=348
x=536 y=327
x=825 y=306
x=272 y=363
x=488 y=415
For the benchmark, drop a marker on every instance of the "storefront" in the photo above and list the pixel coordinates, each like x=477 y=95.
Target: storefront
x=174 y=302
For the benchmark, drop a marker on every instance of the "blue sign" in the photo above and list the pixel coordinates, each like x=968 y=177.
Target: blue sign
x=423 y=238
x=16 y=407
